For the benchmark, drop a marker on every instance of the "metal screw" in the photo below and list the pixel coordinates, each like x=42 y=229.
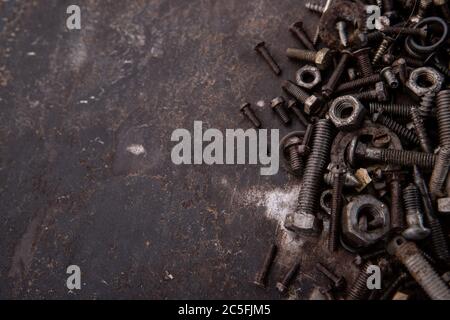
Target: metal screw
x=380 y=93
x=359 y=289
x=293 y=105
x=298 y=30
x=312 y=103
x=382 y=49
x=440 y=172
x=277 y=106
x=315 y=7
x=359 y=83
x=414 y=215
x=336 y=208
x=396 y=127
x=321 y=58
x=390 y=156
x=426 y=106
x=291 y=149
x=400 y=110
x=397 y=214
x=443 y=116
x=265 y=54
x=421 y=131
x=390 y=77
x=363 y=60
x=419 y=268
x=394 y=286
x=338 y=282
x=250 y=115
x=328 y=89
x=341 y=27
x=261 y=277
x=283 y=285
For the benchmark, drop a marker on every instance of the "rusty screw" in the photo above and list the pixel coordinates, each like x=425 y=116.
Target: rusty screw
x=261 y=277
x=277 y=105
x=247 y=111
x=283 y=285
x=414 y=215
x=390 y=77
x=337 y=281
x=291 y=149
x=443 y=116
x=397 y=214
x=293 y=105
x=402 y=111
x=265 y=54
x=396 y=127
x=440 y=172
x=298 y=30
x=321 y=58
x=312 y=102
x=359 y=83
x=336 y=208
x=380 y=93
x=363 y=59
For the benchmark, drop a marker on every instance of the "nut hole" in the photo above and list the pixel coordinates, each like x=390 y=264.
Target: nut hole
x=424 y=80
x=308 y=77
x=344 y=110
x=370 y=214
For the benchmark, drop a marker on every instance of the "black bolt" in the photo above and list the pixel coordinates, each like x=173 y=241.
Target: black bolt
x=397 y=214
x=402 y=111
x=443 y=116
x=265 y=54
x=394 y=286
x=291 y=149
x=261 y=277
x=293 y=105
x=359 y=83
x=336 y=208
x=396 y=127
x=338 y=281
x=422 y=32
x=363 y=60
x=421 y=131
x=359 y=290
x=380 y=93
x=298 y=30
x=312 y=103
x=283 y=285
x=382 y=49
x=414 y=215
x=328 y=89
x=247 y=111
x=440 y=172
x=277 y=106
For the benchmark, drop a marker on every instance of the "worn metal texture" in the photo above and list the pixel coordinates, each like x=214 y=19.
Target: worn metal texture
x=86 y=177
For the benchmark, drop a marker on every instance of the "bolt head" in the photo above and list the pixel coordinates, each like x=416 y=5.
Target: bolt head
x=312 y=104
x=416 y=233
x=361 y=52
x=323 y=58
x=260 y=44
x=298 y=24
x=244 y=106
x=382 y=92
x=276 y=102
x=302 y=223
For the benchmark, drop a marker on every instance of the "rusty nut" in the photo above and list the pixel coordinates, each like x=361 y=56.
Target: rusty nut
x=347 y=113
x=425 y=80
x=308 y=77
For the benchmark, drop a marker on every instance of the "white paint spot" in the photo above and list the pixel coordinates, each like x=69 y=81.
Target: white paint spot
x=261 y=104
x=136 y=149
x=31 y=54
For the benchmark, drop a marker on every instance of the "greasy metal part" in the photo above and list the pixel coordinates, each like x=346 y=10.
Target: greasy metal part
x=359 y=290
x=321 y=58
x=363 y=60
x=291 y=151
x=365 y=220
x=261 y=276
x=419 y=268
x=425 y=80
x=390 y=77
x=380 y=93
x=443 y=116
x=336 y=208
x=427 y=103
x=347 y=113
x=312 y=103
x=402 y=111
x=277 y=105
x=284 y=284
x=396 y=209
x=300 y=33
x=328 y=88
x=265 y=54
x=414 y=217
x=308 y=77
x=304 y=220
x=359 y=83
x=338 y=282
x=421 y=131
x=293 y=106
x=248 y=112
x=396 y=127
x=440 y=173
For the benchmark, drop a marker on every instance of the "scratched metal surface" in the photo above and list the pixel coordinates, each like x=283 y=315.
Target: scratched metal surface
x=71 y=192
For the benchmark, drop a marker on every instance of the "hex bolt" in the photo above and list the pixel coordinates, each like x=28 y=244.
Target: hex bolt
x=293 y=105
x=382 y=49
x=394 y=286
x=312 y=103
x=277 y=105
x=265 y=54
x=341 y=27
x=390 y=77
x=443 y=116
x=397 y=213
x=359 y=83
x=379 y=94
x=422 y=32
x=328 y=89
x=248 y=112
x=283 y=285
x=315 y=7
x=298 y=30
x=390 y=156
x=291 y=149
x=440 y=172
x=419 y=268
x=337 y=281
x=396 y=127
x=421 y=131
x=402 y=111
x=336 y=208
x=363 y=59
x=414 y=216
x=427 y=103
x=308 y=199
x=321 y=58
x=261 y=277
x=359 y=290
x=438 y=238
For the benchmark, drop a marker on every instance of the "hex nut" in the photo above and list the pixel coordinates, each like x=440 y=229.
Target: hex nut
x=303 y=74
x=323 y=58
x=347 y=113
x=444 y=205
x=425 y=80
x=357 y=229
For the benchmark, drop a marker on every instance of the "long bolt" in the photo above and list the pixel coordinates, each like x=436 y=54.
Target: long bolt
x=359 y=290
x=277 y=106
x=261 y=277
x=397 y=213
x=293 y=105
x=396 y=127
x=438 y=238
x=419 y=268
x=250 y=115
x=414 y=215
x=283 y=285
x=265 y=54
x=359 y=83
x=298 y=30
x=336 y=207
x=440 y=172
x=421 y=131
x=363 y=60
x=328 y=89
x=338 y=282
x=402 y=111
x=443 y=116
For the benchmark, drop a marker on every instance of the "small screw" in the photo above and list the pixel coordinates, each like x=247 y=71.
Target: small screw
x=277 y=106
x=265 y=54
x=283 y=285
x=250 y=115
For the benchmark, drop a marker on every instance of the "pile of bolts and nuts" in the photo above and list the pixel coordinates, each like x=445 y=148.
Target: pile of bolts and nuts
x=374 y=156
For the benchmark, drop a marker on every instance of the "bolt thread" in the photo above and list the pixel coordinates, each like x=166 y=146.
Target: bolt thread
x=439 y=241
x=250 y=115
x=411 y=199
x=426 y=107
x=315 y=7
x=359 y=290
x=300 y=54
x=336 y=207
x=400 y=130
x=407 y=158
x=358 y=83
x=281 y=112
x=440 y=172
x=265 y=54
x=421 y=131
x=399 y=110
x=366 y=95
x=309 y=196
x=364 y=64
x=443 y=116
x=413 y=62
x=295 y=160
x=405 y=31
x=382 y=49
x=422 y=271
x=397 y=214
x=295 y=91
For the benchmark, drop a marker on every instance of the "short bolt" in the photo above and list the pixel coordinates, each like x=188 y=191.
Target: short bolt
x=291 y=150
x=293 y=105
x=421 y=130
x=283 y=285
x=321 y=58
x=414 y=216
x=248 y=112
x=298 y=30
x=359 y=289
x=380 y=93
x=265 y=54
x=328 y=89
x=363 y=60
x=277 y=106
x=337 y=281
x=261 y=277
x=312 y=103
x=399 y=129
x=390 y=77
